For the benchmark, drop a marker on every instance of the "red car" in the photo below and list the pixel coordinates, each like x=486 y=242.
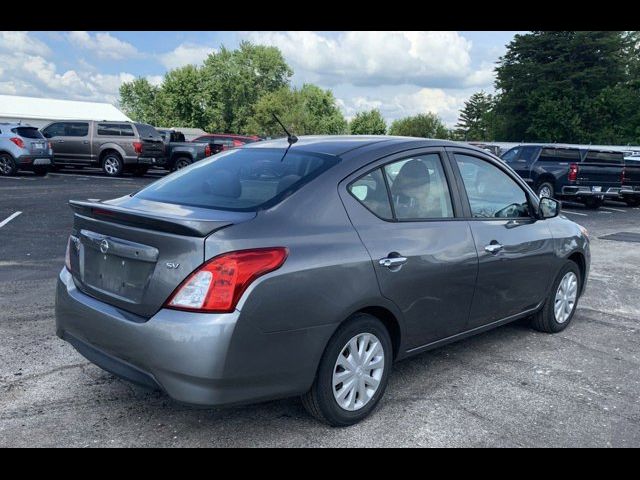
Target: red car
x=227 y=140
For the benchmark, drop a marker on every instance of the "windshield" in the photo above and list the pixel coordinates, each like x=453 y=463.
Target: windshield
x=240 y=180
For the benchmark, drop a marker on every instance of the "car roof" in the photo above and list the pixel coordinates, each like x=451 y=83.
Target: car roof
x=340 y=144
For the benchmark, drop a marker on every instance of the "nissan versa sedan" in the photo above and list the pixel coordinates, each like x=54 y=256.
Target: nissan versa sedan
x=273 y=270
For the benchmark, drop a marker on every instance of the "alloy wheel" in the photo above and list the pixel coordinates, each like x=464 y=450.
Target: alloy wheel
x=5 y=165
x=111 y=165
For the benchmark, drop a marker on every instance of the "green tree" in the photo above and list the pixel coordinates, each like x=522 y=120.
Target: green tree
x=235 y=80
x=425 y=125
x=139 y=100
x=476 y=121
x=368 y=123
x=308 y=110
x=182 y=98
x=565 y=87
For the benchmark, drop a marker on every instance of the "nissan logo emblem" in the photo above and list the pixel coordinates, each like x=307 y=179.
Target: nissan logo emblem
x=104 y=246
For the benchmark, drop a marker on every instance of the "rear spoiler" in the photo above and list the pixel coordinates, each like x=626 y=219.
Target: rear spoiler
x=191 y=227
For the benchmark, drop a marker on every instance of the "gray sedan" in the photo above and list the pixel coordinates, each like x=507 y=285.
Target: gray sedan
x=265 y=272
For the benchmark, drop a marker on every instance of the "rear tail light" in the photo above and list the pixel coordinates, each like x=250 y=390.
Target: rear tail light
x=17 y=141
x=50 y=145
x=219 y=283
x=573 y=172
x=137 y=146
x=207 y=150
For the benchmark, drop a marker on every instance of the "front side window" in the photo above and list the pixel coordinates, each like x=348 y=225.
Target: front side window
x=371 y=191
x=240 y=179
x=528 y=154
x=419 y=188
x=491 y=192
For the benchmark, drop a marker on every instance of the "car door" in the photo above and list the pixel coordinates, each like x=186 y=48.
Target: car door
x=57 y=136
x=423 y=254
x=515 y=249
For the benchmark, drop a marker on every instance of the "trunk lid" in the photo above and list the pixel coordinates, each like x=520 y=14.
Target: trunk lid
x=133 y=253
x=601 y=169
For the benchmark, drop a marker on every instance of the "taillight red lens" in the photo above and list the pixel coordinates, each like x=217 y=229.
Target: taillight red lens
x=17 y=141
x=207 y=150
x=218 y=284
x=137 y=146
x=573 y=172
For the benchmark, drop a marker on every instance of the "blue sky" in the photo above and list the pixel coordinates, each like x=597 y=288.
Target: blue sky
x=401 y=73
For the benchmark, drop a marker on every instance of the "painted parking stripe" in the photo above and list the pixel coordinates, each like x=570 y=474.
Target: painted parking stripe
x=70 y=175
x=575 y=213
x=606 y=213
x=17 y=178
x=615 y=209
x=8 y=219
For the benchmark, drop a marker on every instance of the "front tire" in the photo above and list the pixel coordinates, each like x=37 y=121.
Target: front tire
x=181 y=163
x=112 y=165
x=632 y=202
x=353 y=373
x=545 y=189
x=560 y=306
x=8 y=166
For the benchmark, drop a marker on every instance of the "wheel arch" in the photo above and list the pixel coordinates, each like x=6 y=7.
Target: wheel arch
x=546 y=178
x=110 y=147
x=579 y=258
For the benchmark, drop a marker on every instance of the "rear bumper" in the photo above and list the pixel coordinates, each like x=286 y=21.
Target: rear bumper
x=28 y=162
x=587 y=191
x=197 y=359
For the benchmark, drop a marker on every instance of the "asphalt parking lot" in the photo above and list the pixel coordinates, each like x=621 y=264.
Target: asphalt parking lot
x=508 y=387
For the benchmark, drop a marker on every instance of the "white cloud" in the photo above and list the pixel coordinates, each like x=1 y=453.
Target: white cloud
x=155 y=80
x=33 y=75
x=22 y=42
x=434 y=59
x=185 y=54
x=104 y=45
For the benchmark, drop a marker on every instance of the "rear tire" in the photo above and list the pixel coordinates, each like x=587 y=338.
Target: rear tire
x=8 y=166
x=551 y=318
x=593 y=203
x=368 y=372
x=112 y=165
x=632 y=202
x=40 y=171
x=545 y=189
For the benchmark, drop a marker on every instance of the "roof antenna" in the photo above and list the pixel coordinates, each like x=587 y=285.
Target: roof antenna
x=291 y=139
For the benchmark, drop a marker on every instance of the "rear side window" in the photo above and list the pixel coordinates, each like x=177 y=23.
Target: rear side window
x=27 y=132
x=371 y=192
x=117 y=130
x=559 y=155
x=614 y=158
x=240 y=179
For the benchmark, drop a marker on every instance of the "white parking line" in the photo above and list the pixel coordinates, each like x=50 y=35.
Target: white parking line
x=614 y=209
x=8 y=219
x=17 y=178
x=606 y=213
x=575 y=213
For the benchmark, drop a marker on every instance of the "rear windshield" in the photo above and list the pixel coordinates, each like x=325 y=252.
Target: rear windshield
x=27 y=132
x=616 y=158
x=240 y=180
x=147 y=131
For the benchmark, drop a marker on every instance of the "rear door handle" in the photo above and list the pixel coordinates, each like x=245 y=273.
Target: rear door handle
x=391 y=262
x=493 y=247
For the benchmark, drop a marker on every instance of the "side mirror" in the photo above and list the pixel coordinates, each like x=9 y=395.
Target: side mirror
x=549 y=208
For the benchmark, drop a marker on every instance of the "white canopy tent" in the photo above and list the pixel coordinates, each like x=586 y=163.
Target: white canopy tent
x=39 y=112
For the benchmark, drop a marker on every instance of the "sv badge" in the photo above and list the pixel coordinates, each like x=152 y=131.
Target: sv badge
x=172 y=265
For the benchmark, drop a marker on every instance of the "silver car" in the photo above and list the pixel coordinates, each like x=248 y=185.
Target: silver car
x=23 y=147
x=265 y=272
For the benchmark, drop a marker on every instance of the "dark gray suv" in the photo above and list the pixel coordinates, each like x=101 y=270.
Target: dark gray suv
x=116 y=147
x=263 y=272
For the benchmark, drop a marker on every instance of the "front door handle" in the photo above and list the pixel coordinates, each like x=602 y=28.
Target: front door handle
x=494 y=247
x=391 y=262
